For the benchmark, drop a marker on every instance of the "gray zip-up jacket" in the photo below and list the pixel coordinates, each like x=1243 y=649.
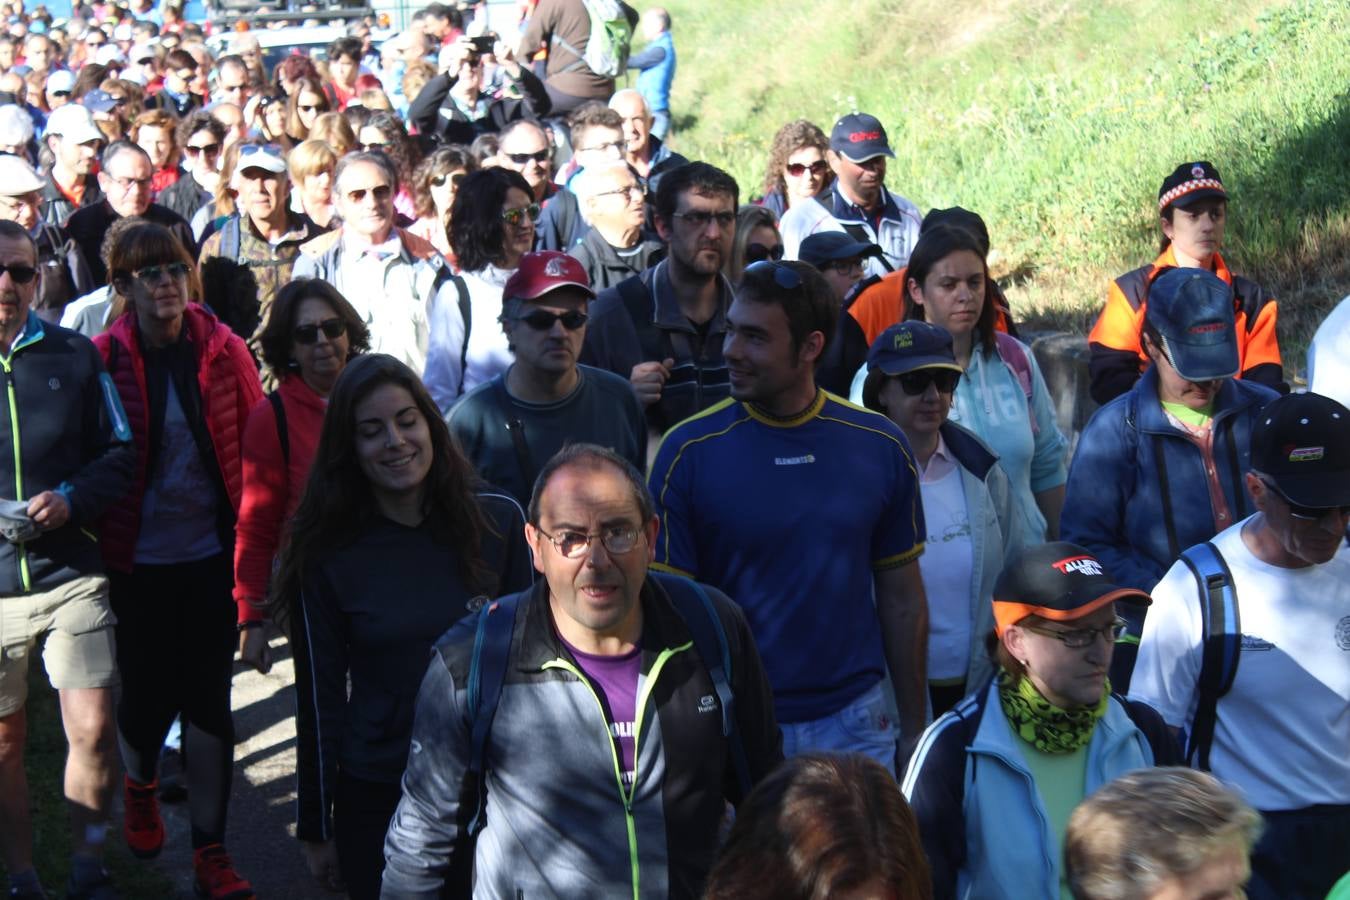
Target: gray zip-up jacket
x=558 y=821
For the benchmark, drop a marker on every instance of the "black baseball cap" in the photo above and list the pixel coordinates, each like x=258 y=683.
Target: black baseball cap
x=1190 y=183
x=860 y=137
x=831 y=246
x=1057 y=581
x=1302 y=441
x=958 y=217
x=1192 y=310
x=912 y=345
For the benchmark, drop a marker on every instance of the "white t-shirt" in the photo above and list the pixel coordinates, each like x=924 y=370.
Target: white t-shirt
x=945 y=567
x=1283 y=730
x=1329 y=355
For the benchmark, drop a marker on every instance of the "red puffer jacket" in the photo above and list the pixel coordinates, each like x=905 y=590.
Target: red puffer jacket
x=230 y=388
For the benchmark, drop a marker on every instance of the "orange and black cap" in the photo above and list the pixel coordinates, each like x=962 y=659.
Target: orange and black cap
x=1057 y=581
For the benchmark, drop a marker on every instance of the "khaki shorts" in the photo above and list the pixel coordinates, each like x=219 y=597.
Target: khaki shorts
x=79 y=652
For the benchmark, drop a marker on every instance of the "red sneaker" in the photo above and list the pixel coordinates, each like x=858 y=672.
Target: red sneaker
x=141 y=824
x=216 y=877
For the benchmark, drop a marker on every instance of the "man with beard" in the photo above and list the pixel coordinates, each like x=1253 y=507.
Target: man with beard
x=663 y=328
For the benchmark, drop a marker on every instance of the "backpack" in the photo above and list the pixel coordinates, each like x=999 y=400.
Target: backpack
x=607 y=48
x=1221 y=633
x=1015 y=356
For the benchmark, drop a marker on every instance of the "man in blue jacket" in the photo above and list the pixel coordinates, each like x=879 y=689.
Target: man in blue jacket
x=72 y=459
x=1161 y=467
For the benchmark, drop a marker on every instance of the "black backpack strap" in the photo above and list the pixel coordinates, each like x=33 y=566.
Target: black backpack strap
x=859 y=234
x=487 y=671
x=1221 y=633
x=283 y=433
x=466 y=313
x=694 y=605
x=516 y=428
x=1169 y=520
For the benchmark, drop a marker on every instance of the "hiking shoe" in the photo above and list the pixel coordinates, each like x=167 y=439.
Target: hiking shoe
x=141 y=824
x=216 y=878
x=101 y=889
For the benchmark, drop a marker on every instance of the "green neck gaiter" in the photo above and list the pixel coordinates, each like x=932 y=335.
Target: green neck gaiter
x=1042 y=724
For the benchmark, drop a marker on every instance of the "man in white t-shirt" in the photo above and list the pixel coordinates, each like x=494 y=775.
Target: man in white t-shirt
x=1282 y=732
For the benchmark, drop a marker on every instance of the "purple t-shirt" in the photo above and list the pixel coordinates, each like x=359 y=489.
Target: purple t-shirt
x=617 y=677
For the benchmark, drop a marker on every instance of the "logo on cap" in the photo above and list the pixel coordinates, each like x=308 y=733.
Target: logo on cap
x=1197 y=171
x=1306 y=454
x=857 y=137
x=553 y=268
x=1083 y=565
x=1206 y=328
x=904 y=339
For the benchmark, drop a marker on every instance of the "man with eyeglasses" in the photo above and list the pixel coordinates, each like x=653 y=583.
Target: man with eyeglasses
x=452 y=108
x=252 y=253
x=613 y=248
x=74 y=459
x=511 y=425
x=233 y=84
x=858 y=202
x=663 y=328
x=202 y=138
x=65 y=274
x=176 y=96
x=125 y=178
x=805 y=510
x=414 y=305
x=75 y=142
x=609 y=763
x=1162 y=467
x=1279 y=732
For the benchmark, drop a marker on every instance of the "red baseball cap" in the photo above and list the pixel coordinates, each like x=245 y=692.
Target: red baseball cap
x=544 y=271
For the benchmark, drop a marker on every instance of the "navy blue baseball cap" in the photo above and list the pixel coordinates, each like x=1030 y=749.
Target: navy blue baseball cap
x=1192 y=311
x=860 y=137
x=1303 y=442
x=832 y=246
x=912 y=345
x=98 y=100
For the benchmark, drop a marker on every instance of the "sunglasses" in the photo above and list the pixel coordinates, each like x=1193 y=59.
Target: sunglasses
x=380 y=192
x=19 y=274
x=516 y=216
x=797 y=170
x=455 y=180
x=1306 y=513
x=152 y=274
x=916 y=383
x=757 y=252
x=372 y=147
x=208 y=149
x=307 y=107
x=783 y=276
x=60 y=93
x=309 y=334
x=521 y=159
x=542 y=320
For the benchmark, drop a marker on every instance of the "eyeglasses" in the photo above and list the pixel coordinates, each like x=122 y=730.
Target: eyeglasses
x=19 y=274
x=797 y=170
x=600 y=148
x=152 y=274
x=1306 y=513
x=757 y=252
x=186 y=74
x=784 y=276
x=1084 y=637
x=372 y=147
x=455 y=180
x=616 y=539
x=521 y=159
x=208 y=149
x=542 y=320
x=381 y=193
x=515 y=216
x=700 y=218
x=309 y=334
x=916 y=383
x=307 y=107
x=844 y=266
x=60 y=93
x=630 y=191
x=127 y=184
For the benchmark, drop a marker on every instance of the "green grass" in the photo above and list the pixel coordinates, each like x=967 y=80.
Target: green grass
x=1057 y=121
x=46 y=758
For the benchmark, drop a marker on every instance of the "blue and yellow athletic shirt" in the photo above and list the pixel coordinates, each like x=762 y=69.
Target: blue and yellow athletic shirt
x=791 y=518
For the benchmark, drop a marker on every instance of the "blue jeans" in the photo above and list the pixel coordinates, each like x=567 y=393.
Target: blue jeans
x=864 y=726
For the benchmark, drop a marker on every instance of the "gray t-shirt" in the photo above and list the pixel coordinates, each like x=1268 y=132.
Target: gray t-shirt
x=178 y=514
x=601 y=410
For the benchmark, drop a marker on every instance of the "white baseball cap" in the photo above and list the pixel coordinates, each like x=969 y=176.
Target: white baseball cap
x=74 y=123
x=17 y=177
x=61 y=81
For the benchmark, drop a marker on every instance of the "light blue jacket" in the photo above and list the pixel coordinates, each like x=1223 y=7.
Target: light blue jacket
x=654 y=83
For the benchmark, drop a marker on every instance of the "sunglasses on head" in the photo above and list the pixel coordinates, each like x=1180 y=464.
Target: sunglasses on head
x=19 y=274
x=784 y=276
x=757 y=252
x=916 y=383
x=542 y=320
x=514 y=216
x=1306 y=513
x=252 y=149
x=797 y=170
x=521 y=159
x=309 y=334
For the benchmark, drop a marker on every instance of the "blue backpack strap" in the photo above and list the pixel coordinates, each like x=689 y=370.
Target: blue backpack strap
x=1221 y=633
x=487 y=670
x=231 y=238
x=694 y=605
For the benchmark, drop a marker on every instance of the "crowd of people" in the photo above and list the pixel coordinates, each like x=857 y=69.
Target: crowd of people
x=632 y=532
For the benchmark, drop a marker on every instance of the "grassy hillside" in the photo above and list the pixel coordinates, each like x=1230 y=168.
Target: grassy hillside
x=1057 y=120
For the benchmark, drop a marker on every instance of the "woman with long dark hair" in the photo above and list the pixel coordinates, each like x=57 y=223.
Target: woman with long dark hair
x=491 y=228
x=394 y=541
x=305 y=104
x=434 y=186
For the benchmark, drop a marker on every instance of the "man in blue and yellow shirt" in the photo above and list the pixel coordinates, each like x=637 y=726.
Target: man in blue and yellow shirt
x=801 y=507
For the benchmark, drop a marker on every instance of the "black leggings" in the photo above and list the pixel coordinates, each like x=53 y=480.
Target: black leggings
x=175 y=649
x=362 y=811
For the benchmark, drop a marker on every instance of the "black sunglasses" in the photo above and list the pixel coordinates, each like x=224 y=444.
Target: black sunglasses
x=455 y=180
x=784 y=276
x=542 y=320
x=1299 y=511
x=757 y=252
x=309 y=334
x=521 y=159
x=19 y=274
x=916 y=383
